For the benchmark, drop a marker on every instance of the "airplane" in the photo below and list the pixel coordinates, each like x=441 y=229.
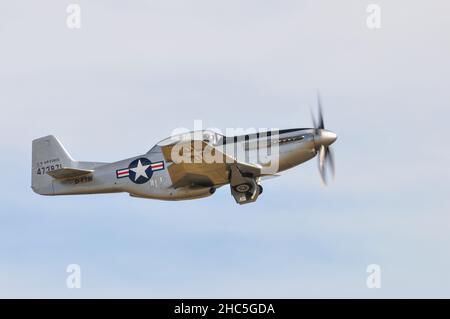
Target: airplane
x=177 y=169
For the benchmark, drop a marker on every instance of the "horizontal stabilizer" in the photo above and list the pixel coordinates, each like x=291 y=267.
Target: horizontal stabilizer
x=68 y=172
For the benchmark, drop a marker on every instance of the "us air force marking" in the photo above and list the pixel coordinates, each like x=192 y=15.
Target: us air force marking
x=140 y=170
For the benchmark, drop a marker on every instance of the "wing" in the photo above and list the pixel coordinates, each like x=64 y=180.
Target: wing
x=202 y=164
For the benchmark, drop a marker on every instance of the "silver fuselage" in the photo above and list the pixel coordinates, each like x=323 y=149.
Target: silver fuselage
x=293 y=147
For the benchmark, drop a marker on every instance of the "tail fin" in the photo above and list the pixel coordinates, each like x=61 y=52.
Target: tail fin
x=48 y=155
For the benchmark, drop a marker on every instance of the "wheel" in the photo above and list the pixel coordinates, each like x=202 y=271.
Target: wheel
x=243 y=188
x=260 y=189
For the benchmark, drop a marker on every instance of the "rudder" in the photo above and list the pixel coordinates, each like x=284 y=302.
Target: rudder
x=48 y=154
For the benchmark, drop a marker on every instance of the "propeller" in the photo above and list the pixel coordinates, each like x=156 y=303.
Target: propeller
x=323 y=139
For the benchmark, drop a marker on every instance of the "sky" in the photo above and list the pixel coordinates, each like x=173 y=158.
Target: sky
x=135 y=71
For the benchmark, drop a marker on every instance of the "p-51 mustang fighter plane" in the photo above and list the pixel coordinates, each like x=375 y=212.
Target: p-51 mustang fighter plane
x=185 y=166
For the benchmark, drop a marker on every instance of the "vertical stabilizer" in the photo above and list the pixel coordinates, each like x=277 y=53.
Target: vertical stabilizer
x=48 y=154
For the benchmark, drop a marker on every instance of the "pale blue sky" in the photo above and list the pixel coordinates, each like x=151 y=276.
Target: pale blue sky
x=134 y=72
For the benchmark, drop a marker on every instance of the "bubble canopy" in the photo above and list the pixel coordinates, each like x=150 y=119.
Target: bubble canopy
x=207 y=136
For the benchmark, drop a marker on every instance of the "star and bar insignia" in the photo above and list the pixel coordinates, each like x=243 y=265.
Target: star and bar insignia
x=140 y=170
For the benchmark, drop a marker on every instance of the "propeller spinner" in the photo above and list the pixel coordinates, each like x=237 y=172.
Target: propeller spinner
x=323 y=139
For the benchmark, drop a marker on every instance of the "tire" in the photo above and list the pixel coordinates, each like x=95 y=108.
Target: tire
x=260 y=189
x=243 y=188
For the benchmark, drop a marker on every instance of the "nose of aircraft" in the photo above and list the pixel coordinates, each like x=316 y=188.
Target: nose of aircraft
x=324 y=137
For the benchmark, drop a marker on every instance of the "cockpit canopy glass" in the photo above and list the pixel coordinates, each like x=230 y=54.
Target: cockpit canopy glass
x=207 y=136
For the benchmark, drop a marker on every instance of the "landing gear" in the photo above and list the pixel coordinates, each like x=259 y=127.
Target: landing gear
x=244 y=188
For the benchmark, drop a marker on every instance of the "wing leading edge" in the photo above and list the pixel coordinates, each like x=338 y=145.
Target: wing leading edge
x=197 y=171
